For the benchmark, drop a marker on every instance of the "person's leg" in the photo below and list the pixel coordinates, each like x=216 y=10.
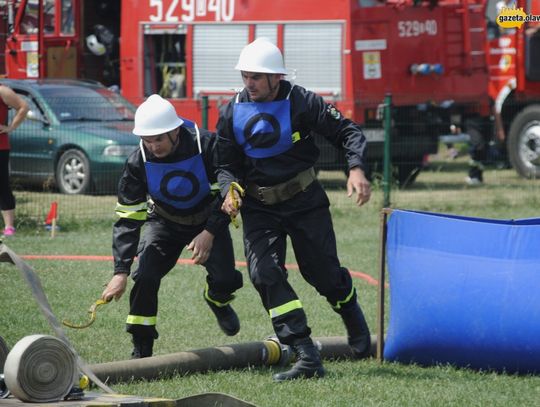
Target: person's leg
x=7 y=199
x=478 y=147
x=265 y=249
x=158 y=252
x=221 y=282
x=314 y=243
x=9 y=219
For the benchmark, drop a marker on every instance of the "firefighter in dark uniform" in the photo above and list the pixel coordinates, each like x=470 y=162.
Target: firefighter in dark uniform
x=165 y=185
x=265 y=144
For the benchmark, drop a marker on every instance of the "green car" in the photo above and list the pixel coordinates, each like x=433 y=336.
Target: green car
x=76 y=137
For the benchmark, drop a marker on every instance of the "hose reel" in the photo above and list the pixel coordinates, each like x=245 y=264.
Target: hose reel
x=40 y=368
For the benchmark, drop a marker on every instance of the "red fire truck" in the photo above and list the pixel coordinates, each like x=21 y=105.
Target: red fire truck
x=445 y=62
x=59 y=49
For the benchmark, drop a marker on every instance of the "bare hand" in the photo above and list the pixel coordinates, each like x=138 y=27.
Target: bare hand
x=201 y=246
x=229 y=206
x=4 y=129
x=358 y=183
x=115 y=288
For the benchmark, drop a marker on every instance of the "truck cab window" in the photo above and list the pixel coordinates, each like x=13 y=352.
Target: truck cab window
x=493 y=9
x=49 y=12
x=30 y=21
x=68 y=23
x=165 y=65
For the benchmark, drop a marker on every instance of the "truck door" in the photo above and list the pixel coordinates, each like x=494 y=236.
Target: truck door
x=60 y=42
x=50 y=52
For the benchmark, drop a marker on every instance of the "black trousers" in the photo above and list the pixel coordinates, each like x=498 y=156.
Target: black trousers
x=7 y=200
x=307 y=221
x=160 y=247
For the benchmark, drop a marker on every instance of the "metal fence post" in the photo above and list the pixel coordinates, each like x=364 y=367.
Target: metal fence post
x=387 y=159
x=205 y=111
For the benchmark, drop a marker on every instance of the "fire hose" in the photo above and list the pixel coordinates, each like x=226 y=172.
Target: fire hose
x=43 y=368
x=92 y=311
x=40 y=368
x=240 y=355
x=32 y=279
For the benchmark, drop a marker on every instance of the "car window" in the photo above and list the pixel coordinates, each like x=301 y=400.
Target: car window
x=34 y=112
x=72 y=103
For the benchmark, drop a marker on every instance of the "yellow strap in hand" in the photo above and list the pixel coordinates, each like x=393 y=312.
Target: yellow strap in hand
x=91 y=311
x=235 y=186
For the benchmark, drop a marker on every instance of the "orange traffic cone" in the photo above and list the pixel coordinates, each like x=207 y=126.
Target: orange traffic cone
x=52 y=217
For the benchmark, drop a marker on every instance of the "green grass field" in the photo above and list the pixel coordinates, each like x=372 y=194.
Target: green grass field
x=186 y=323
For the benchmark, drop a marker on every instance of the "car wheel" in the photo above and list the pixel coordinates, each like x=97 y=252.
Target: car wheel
x=73 y=173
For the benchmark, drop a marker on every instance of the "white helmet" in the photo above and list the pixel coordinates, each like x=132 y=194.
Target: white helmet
x=95 y=46
x=261 y=56
x=155 y=116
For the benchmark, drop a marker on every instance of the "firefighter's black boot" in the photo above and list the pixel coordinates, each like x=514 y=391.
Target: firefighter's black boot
x=308 y=363
x=142 y=346
x=358 y=334
x=475 y=174
x=226 y=317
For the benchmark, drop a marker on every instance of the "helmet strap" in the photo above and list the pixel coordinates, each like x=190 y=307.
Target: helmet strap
x=175 y=142
x=273 y=89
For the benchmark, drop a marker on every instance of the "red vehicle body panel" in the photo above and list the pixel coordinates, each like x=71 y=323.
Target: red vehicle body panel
x=385 y=33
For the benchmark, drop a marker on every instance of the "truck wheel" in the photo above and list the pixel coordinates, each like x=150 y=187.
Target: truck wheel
x=73 y=173
x=523 y=142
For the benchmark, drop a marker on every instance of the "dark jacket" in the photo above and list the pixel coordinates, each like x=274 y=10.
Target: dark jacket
x=133 y=193
x=309 y=113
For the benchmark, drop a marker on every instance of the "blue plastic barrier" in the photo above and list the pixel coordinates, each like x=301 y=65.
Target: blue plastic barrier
x=464 y=291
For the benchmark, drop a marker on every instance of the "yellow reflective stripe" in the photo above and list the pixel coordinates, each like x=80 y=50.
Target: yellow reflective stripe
x=140 y=320
x=283 y=309
x=137 y=212
x=347 y=299
x=214 y=188
x=137 y=207
x=217 y=303
x=296 y=136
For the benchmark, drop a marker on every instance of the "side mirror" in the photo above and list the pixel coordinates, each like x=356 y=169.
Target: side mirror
x=32 y=115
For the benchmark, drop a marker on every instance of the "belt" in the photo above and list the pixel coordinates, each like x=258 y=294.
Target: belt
x=284 y=191
x=188 y=220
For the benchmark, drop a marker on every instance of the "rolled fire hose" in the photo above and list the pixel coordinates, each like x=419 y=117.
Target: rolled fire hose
x=40 y=369
x=4 y=350
x=32 y=279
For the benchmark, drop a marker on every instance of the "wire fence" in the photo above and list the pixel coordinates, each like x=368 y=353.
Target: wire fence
x=428 y=171
x=439 y=186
